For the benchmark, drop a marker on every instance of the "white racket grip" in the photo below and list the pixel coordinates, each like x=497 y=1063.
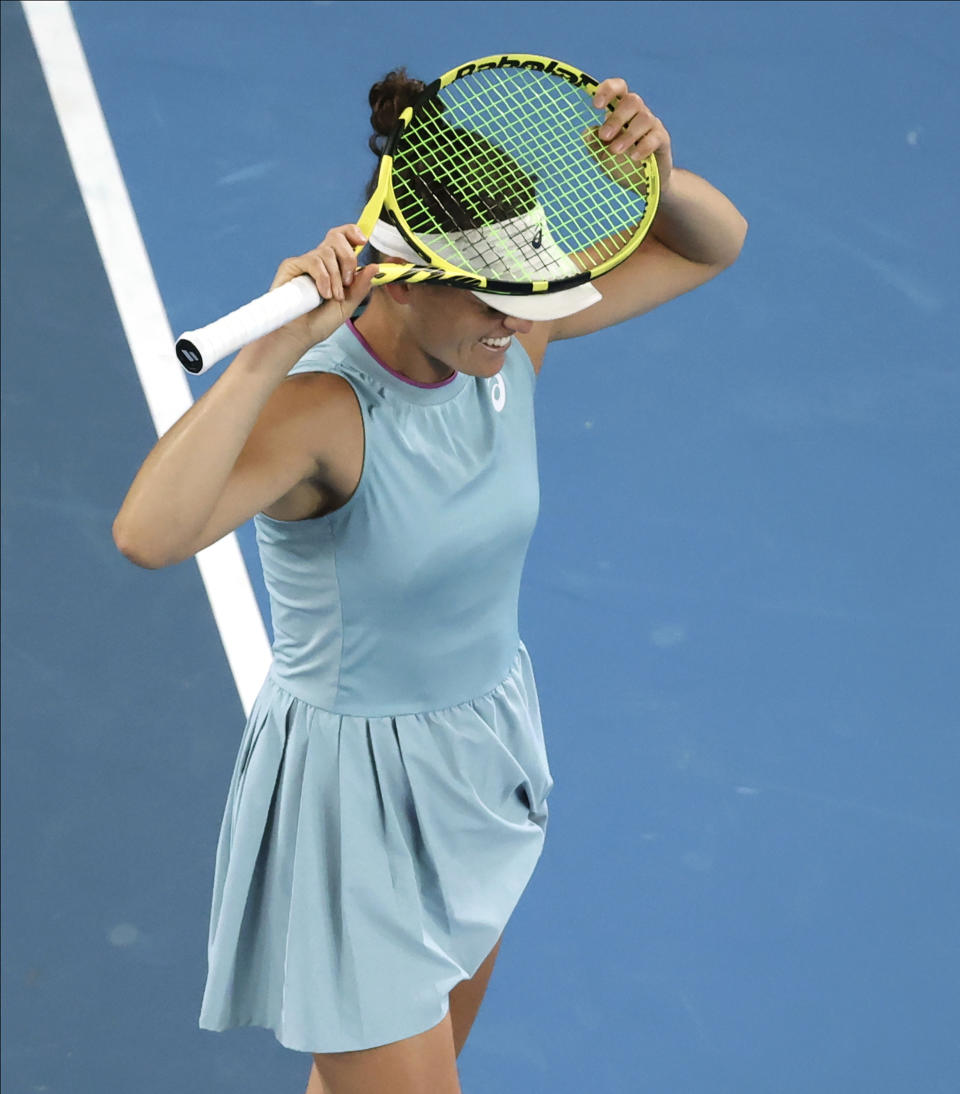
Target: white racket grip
x=197 y=350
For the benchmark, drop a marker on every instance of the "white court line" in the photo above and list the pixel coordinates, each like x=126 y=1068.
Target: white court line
x=142 y=312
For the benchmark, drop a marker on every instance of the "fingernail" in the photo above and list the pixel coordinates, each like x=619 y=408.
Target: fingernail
x=348 y=278
x=607 y=132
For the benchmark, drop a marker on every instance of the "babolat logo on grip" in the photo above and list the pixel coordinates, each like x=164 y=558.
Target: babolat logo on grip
x=578 y=79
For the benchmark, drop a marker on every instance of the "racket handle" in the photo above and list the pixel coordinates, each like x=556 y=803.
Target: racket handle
x=197 y=350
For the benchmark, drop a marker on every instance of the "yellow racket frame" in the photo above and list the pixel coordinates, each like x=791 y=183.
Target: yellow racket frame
x=440 y=269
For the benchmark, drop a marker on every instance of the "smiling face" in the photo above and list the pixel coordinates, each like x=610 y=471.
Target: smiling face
x=457 y=331
x=428 y=331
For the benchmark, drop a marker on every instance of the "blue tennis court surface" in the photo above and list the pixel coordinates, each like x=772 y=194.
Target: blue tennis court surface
x=742 y=598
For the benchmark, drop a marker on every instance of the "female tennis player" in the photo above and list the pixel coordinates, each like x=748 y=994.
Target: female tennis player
x=389 y=800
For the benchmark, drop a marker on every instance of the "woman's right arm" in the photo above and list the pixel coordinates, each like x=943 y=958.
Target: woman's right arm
x=251 y=438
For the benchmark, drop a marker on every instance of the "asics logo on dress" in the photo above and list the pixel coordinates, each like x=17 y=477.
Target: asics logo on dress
x=498 y=393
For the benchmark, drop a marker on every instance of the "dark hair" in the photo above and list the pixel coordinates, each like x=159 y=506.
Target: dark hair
x=501 y=189
x=388 y=99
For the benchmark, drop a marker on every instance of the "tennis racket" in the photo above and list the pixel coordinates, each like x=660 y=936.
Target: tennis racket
x=496 y=178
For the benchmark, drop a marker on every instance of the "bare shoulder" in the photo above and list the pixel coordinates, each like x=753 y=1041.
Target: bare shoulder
x=321 y=408
x=314 y=416
x=315 y=402
x=324 y=391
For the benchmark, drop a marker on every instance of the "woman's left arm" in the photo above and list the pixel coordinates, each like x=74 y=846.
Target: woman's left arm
x=696 y=233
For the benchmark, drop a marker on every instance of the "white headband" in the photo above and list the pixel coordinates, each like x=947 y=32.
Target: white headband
x=537 y=306
x=388 y=241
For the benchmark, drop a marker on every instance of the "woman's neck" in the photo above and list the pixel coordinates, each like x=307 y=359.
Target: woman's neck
x=390 y=341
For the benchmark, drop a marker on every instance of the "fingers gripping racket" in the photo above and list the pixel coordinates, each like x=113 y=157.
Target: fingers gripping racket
x=497 y=179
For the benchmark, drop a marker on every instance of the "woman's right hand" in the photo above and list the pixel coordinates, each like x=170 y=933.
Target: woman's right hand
x=250 y=438
x=341 y=283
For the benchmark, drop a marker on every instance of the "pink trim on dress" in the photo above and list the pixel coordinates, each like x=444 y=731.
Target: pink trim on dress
x=393 y=372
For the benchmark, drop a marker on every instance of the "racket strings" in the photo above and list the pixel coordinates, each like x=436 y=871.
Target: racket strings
x=574 y=199
x=484 y=206
x=507 y=160
x=473 y=184
x=509 y=116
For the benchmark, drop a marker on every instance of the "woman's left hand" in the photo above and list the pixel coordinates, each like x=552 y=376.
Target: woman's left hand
x=632 y=127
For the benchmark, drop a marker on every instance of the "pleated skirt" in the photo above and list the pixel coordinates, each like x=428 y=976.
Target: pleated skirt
x=365 y=866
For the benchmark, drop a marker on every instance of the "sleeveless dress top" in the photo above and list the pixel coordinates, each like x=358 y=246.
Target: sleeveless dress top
x=389 y=801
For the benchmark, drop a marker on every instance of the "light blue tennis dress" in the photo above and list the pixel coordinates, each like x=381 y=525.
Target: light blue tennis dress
x=388 y=805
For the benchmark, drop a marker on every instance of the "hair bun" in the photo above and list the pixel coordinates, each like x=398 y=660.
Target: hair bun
x=388 y=100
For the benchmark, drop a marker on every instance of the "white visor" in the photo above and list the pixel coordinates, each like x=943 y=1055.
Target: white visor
x=517 y=246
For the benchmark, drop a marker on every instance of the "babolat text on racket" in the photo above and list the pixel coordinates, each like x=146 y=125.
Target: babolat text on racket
x=496 y=178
